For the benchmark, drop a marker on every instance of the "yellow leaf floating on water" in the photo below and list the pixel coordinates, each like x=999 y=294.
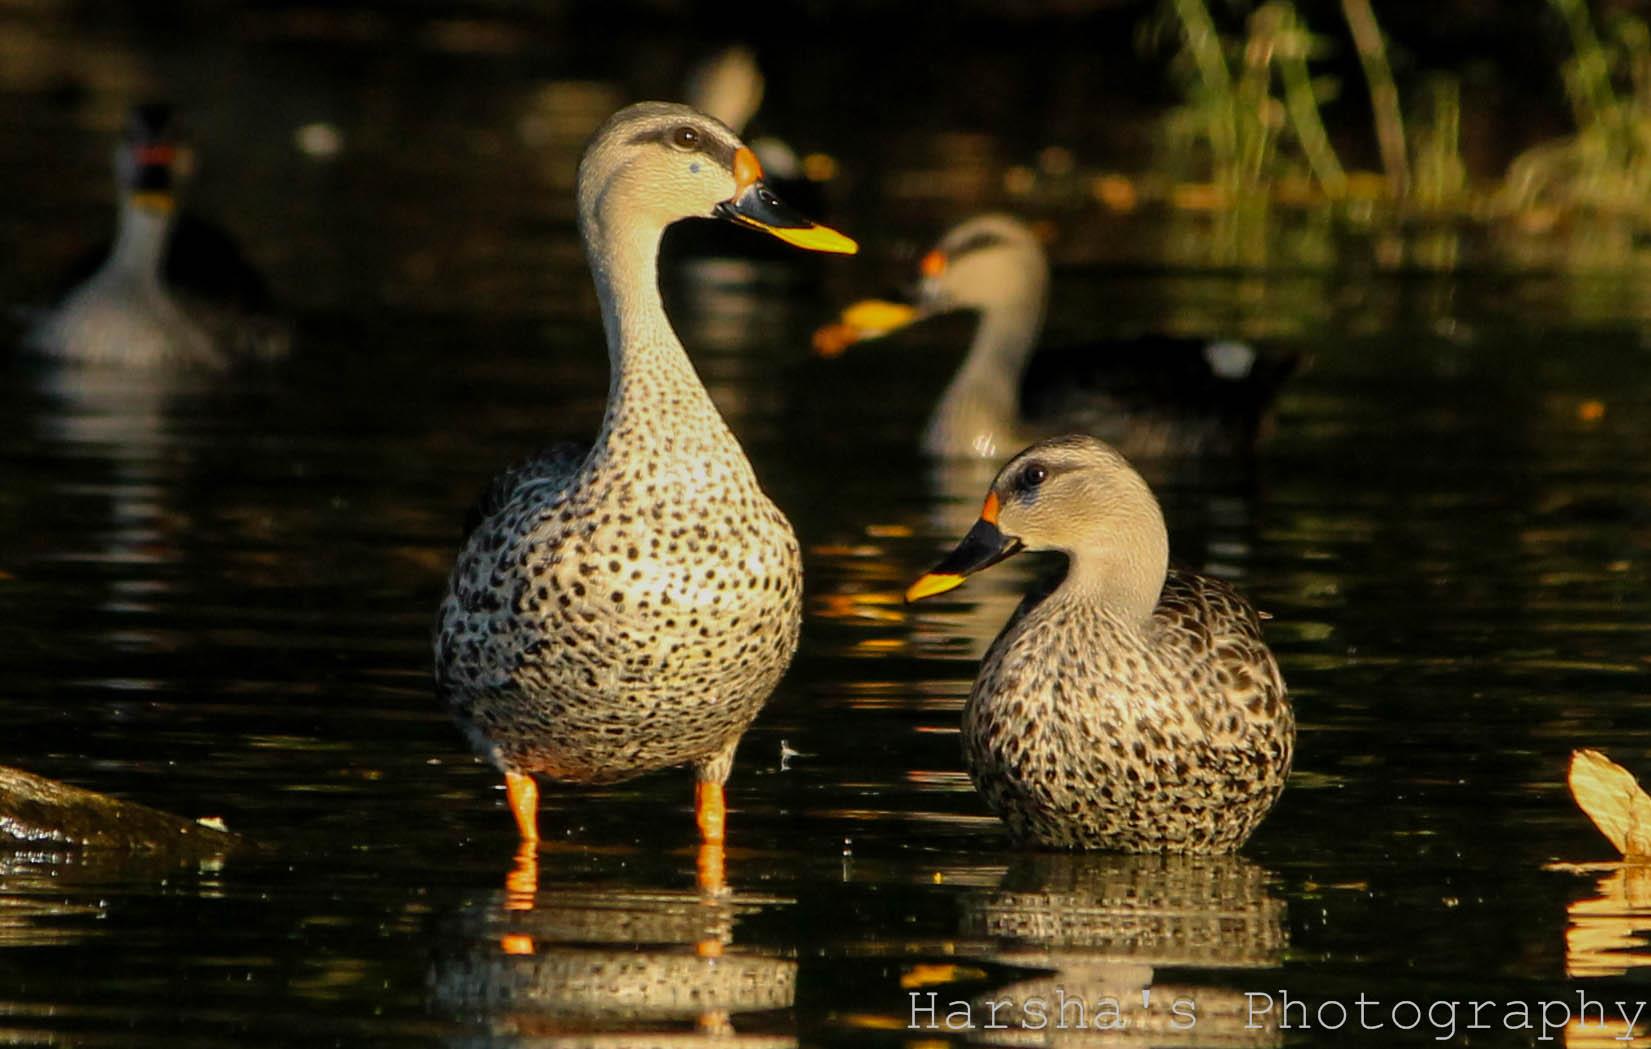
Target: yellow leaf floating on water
x=1614 y=800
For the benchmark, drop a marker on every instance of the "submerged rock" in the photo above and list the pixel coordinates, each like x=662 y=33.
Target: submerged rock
x=39 y=811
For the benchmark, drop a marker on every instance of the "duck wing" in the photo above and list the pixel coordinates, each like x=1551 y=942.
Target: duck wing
x=1213 y=623
x=554 y=468
x=202 y=261
x=1178 y=395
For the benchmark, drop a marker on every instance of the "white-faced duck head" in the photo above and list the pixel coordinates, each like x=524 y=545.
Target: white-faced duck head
x=991 y=263
x=152 y=162
x=662 y=162
x=1074 y=494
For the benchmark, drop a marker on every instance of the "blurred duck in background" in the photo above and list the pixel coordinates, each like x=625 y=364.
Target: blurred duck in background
x=729 y=86
x=1131 y=706
x=171 y=290
x=1152 y=396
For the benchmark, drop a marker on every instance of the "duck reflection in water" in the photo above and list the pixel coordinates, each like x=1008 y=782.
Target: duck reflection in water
x=1103 y=927
x=617 y=965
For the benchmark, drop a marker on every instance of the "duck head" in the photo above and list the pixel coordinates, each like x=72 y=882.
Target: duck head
x=151 y=163
x=1072 y=494
x=994 y=264
x=988 y=263
x=655 y=163
x=727 y=85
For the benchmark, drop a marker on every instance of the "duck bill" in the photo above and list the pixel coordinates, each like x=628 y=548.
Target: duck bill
x=759 y=208
x=983 y=547
x=754 y=204
x=867 y=319
x=150 y=181
x=159 y=202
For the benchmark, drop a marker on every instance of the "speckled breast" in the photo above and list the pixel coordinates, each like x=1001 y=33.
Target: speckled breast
x=1081 y=736
x=592 y=639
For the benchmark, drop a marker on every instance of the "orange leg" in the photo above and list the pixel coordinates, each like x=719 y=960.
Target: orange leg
x=715 y=1022
x=712 y=872
x=522 y=883
x=710 y=811
x=523 y=793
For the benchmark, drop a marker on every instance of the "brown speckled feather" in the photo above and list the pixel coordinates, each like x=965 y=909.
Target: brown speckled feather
x=630 y=608
x=552 y=468
x=1084 y=731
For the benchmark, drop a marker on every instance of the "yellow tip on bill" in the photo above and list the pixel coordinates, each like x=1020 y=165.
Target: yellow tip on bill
x=867 y=319
x=815 y=238
x=931 y=584
x=151 y=200
x=879 y=315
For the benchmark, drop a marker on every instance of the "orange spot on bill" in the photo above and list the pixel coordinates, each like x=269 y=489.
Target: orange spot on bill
x=988 y=513
x=155 y=156
x=747 y=170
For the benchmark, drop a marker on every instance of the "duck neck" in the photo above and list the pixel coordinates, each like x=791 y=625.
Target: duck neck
x=1123 y=576
x=979 y=413
x=655 y=397
x=140 y=242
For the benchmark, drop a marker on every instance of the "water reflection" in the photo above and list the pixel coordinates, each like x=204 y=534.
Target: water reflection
x=615 y=965
x=1106 y=927
x=120 y=421
x=1609 y=933
x=55 y=897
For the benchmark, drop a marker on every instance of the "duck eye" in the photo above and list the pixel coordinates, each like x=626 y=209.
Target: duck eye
x=1033 y=475
x=685 y=138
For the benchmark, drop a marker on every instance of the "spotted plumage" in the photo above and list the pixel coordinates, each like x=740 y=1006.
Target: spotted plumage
x=623 y=613
x=629 y=608
x=1132 y=706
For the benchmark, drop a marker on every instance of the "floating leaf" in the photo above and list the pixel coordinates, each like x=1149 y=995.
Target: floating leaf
x=1614 y=800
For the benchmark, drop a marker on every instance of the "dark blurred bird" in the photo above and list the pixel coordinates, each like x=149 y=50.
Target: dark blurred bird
x=170 y=289
x=1151 y=396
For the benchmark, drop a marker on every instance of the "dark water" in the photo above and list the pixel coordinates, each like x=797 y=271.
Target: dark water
x=215 y=598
